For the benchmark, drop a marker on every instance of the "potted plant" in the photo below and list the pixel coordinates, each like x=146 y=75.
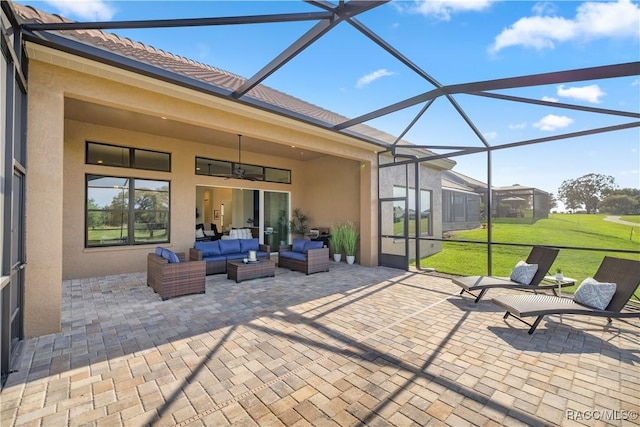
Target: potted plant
x=298 y=223
x=559 y=275
x=337 y=241
x=350 y=241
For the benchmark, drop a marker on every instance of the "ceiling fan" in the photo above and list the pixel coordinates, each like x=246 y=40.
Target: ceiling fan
x=238 y=171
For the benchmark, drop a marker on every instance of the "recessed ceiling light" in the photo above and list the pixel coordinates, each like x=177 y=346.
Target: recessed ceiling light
x=163 y=118
x=99 y=162
x=293 y=146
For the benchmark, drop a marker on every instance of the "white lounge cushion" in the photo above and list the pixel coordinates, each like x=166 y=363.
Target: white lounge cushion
x=523 y=272
x=594 y=294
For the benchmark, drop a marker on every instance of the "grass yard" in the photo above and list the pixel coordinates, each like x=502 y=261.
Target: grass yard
x=113 y=235
x=578 y=230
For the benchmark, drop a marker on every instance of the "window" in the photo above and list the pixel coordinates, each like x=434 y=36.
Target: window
x=126 y=211
x=277 y=175
x=426 y=227
x=127 y=157
x=212 y=167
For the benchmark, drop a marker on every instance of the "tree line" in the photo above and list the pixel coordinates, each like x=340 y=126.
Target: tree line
x=595 y=193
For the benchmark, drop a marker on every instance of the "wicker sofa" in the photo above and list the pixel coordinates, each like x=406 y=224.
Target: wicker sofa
x=217 y=253
x=304 y=255
x=169 y=278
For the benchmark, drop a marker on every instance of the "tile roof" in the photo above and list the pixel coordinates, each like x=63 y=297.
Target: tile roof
x=196 y=70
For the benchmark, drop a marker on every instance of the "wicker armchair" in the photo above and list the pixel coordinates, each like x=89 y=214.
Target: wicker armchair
x=314 y=261
x=175 y=279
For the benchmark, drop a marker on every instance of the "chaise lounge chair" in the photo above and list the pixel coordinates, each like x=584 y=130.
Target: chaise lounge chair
x=540 y=255
x=625 y=273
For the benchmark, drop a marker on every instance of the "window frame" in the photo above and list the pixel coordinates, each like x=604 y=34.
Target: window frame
x=235 y=165
x=132 y=156
x=130 y=212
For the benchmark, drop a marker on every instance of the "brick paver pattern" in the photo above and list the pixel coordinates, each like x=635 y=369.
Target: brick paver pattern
x=354 y=346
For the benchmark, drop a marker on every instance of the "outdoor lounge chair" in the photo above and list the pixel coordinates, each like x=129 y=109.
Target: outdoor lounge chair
x=625 y=273
x=172 y=279
x=541 y=255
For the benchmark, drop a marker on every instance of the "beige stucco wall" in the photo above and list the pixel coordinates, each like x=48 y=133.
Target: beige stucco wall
x=44 y=207
x=342 y=185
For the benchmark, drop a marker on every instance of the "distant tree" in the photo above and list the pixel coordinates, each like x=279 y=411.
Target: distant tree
x=632 y=192
x=95 y=214
x=553 y=202
x=625 y=201
x=150 y=207
x=587 y=191
x=619 y=205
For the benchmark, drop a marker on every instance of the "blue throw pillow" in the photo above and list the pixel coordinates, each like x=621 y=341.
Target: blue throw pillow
x=299 y=245
x=247 y=245
x=170 y=256
x=159 y=251
x=314 y=244
x=231 y=246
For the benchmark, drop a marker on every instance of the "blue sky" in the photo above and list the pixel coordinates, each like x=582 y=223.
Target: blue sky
x=454 y=42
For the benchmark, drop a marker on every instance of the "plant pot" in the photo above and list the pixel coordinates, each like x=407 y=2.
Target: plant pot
x=337 y=257
x=351 y=259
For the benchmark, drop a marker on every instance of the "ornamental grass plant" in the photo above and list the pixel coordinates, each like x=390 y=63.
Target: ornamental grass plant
x=337 y=238
x=350 y=238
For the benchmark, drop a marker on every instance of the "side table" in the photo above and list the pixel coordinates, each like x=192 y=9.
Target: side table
x=566 y=281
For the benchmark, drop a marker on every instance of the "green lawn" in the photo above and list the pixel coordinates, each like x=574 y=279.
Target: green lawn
x=113 y=235
x=631 y=218
x=581 y=230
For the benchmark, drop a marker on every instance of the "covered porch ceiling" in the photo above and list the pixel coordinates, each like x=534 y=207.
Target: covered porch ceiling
x=103 y=115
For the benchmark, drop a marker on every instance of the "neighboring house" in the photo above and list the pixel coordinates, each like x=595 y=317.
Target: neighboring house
x=464 y=202
x=518 y=201
x=123 y=141
x=461 y=203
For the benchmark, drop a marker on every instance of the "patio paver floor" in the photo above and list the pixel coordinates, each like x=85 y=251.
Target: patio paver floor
x=354 y=346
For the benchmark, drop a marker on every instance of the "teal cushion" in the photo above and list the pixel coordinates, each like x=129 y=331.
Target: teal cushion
x=170 y=256
x=314 y=244
x=231 y=246
x=208 y=249
x=247 y=245
x=299 y=245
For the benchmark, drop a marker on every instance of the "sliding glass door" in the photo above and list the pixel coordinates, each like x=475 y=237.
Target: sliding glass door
x=265 y=213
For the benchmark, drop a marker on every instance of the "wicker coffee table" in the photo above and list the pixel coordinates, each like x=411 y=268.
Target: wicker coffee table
x=239 y=271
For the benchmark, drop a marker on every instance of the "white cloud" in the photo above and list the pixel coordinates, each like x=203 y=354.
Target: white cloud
x=369 y=78
x=443 y=9
x=518 y=126
x=544 y=8
x=549 y=99
x=636 y=82
x=552 y=122
x=593 y=20
x=87 y=10
x=490 y=136
x=591 y=93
